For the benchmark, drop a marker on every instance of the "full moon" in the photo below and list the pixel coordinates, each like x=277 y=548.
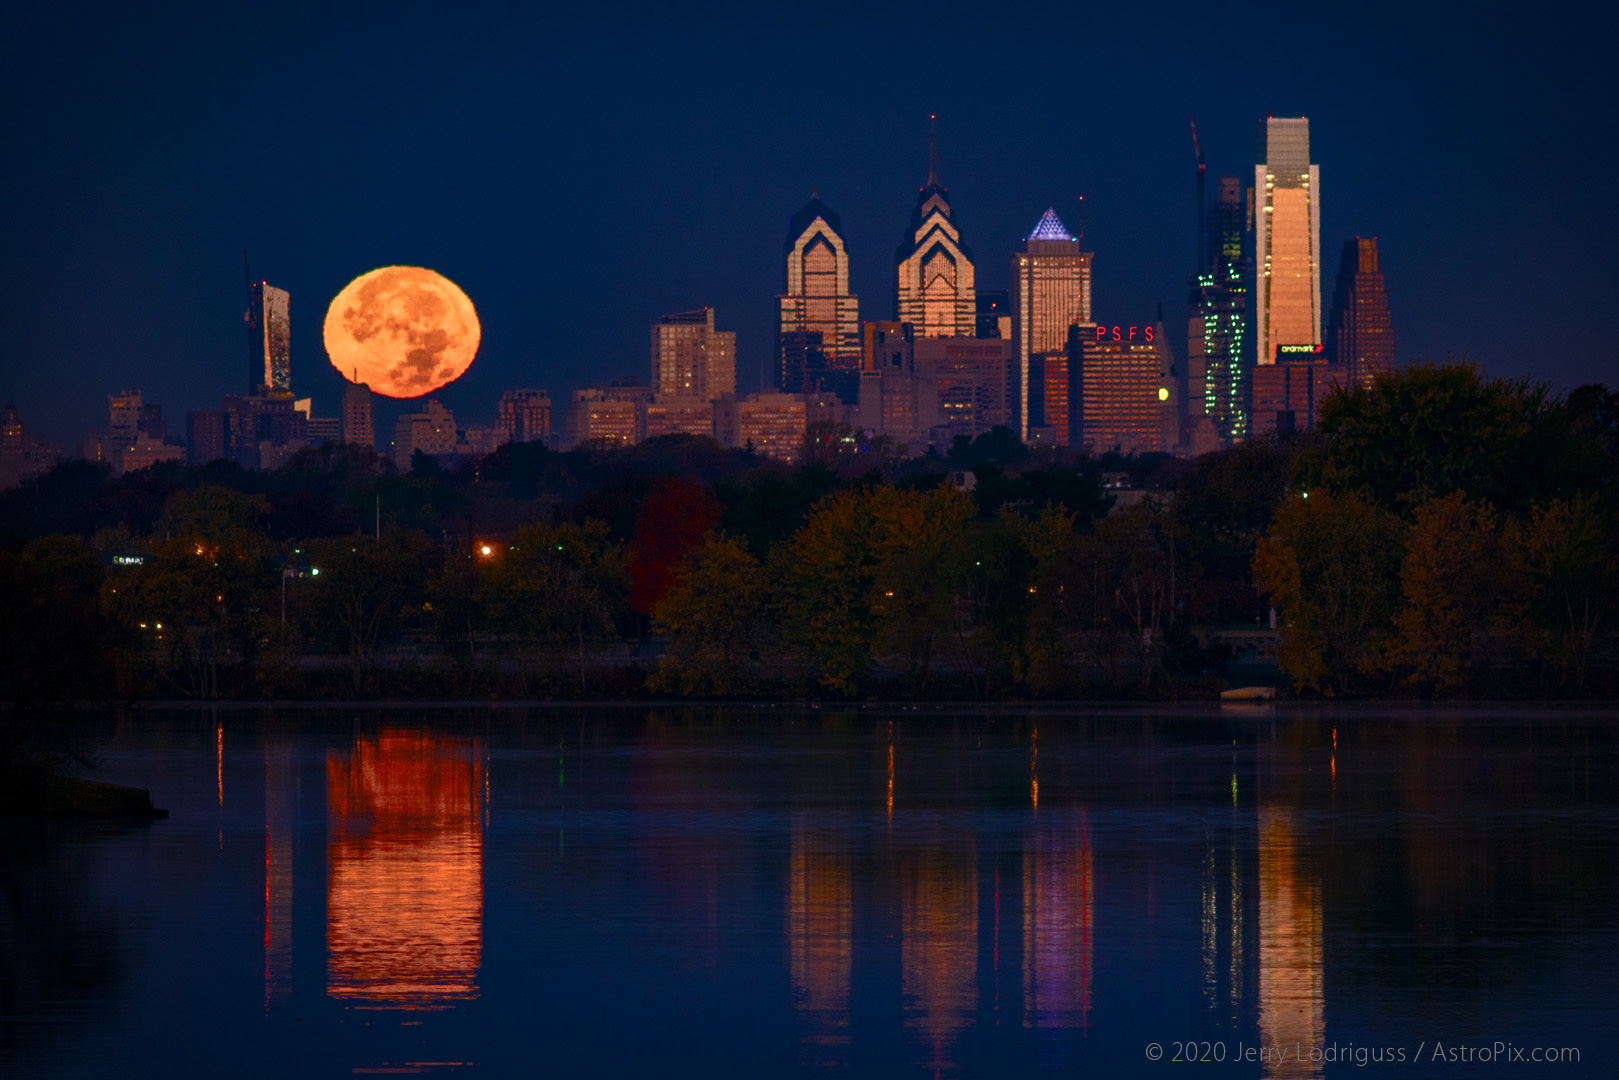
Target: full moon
x=403 y=330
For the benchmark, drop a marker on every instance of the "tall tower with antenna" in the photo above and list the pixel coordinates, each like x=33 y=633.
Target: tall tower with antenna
x=935 y=288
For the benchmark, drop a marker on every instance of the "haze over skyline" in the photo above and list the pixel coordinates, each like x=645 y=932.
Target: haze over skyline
x=580 y=173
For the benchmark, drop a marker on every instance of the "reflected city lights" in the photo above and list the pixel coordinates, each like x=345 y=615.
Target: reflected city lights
x=1059 y=917
x=819 y=938
x=1292 y=1003
x=939 y=945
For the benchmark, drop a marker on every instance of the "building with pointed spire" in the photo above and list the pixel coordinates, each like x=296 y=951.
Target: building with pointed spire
x=1287 y=239
x=1361 y=335
x=1051 y=291
x=816 y=300
x=935 y=290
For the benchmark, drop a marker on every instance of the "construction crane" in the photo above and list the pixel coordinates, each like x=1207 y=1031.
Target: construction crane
x=1198 y=146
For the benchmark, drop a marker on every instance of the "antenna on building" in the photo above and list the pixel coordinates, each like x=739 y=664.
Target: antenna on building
x=933 y=149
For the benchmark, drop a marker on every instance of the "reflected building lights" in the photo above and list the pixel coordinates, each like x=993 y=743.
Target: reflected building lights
x=1059 y=917
x=819 y=938
x=404 y=923
x=1292 y=1003
x=939 y=946
x=280 y=779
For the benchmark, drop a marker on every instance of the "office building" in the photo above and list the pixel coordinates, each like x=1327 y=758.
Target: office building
x=143 y=451
x=1361 y=334
x=206 y=436
x=971 y=376
x=816 y=309
x=611 y=415
x=23 y=453
x=358 y=426
x=1217 y=338
x=935 y=290
x=771 y=424
x=123 y=416
x=896 y=399
x=262 y=430
x=524 y=415
x=432 y=431
x=679 y=416
x=1051 y=291
x=1125 y=393
x=1287 y=240
x=692 y=359
x=269 y=337
x=1287 y=395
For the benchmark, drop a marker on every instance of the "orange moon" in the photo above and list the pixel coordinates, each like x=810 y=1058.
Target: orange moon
x=403 y=330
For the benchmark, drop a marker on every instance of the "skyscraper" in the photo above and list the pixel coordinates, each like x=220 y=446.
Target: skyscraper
x=524 y=415
x=1218 y=324
x=933 y=268
x=1361 y=335
x=692 y=359
x=1125 y=390
x=1051 y=291
x=357 y=423
x=269 y=334
x=1287 y=239
x=816 y=297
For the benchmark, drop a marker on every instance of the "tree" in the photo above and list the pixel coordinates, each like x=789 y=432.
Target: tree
x=712 y=612
x=561 y=583
x=1331 y=566
x=1446 y=590
x=1429 y=430
x=674 y=517
x=365 y=589
x=1573 y=561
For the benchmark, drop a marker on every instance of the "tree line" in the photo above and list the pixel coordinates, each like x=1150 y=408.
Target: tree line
x=1437 y=533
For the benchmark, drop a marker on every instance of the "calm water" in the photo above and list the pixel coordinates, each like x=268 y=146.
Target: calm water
x=752 y=893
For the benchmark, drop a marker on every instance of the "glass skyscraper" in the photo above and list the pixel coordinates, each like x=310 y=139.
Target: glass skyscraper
x=816 y=298
x=1361 y=337
x=692 y=359
x=933 y=268
x=1218 y=329
x=1051 y=291
x=1287 y=239
x=269 y=337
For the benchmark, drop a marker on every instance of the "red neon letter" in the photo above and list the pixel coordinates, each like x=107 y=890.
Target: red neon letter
x=1149 y=333
x=1100 y=331
x=1132 y=333
x=1116 y=335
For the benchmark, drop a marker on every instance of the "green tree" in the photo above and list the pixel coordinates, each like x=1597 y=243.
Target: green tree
x=1573 y=562
x=561 y=584
x=1446 y=591
x=713 y=612
x=1331 y=565
x=362 y=591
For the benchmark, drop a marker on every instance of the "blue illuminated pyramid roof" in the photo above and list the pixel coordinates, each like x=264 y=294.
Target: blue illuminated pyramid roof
x=1050 y=227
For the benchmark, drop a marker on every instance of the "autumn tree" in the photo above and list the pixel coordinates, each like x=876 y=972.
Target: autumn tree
x=1331 y=566
x=713 y=612
x=673 y=519
x=561 y=585
x=1572 y=557
x=1446 y=591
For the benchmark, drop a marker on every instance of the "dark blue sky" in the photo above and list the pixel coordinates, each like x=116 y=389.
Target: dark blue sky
x=579 y=170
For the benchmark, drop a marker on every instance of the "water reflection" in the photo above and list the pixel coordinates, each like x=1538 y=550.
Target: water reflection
x=819 y=936
x=1292 y=1004
x=280 y=782
x=1059 y=917
x=939 y=942
x=404 y=901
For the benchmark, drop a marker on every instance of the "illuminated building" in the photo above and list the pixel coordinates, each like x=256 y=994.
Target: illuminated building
x=816 y=299
x=318 y=429
x=971 y=377
x=994 y=313
x=1126 y=396
x=142 y=452
x=262 y=431
x=820 y=938
x=933 y=268
x=1218 y=325
x=404 y=859
x=895 y=399
x=1287 y=395
x=479 y=441
x=358 y=427
x=23 y=454
x=611 y=415
x=1287 y=240
x=772 y=424
x=123 y=416
x=269 y=337
x=524 y=415
x=1050 y=399
x=1361 y=334
x=692 y=359
x=432 y=431
x=206 y=438
x=679 y=416
x=1051 y=291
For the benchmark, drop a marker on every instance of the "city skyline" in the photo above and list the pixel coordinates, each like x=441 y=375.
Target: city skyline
x=146 y=189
